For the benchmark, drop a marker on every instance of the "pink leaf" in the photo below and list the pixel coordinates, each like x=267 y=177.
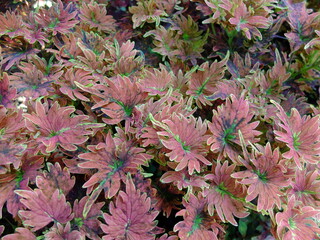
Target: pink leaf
x=89 y=225
x=63 y=233
x=130 y=217
x=56 y=178
x=21 y=234
x=43 y=209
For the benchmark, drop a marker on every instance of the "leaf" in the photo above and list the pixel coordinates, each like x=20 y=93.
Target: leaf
x=123 y=95
x=56 y=178
x=63 y=232
x=301 y=135
x=11 y=123
x=113 y=159
x=298 y=221
x=242 y=228
x=234 y=115
x=224 y=194
x=302 y=22
x=196 y=224
x=59 y=18
x=69 y=80
x=146 y=11
x=314 y=41
x=43 y=209
x=14 y=57
x=11 y=153
x=89 y=225
x=186 y=139
x=202 y=82
x=95 y=15
x=21 y=234
x=7 y=92
x=59 y=126
x=158 y=81
x=11 y=24
x=130 y=215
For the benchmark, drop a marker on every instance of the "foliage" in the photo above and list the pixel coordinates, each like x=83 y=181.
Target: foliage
x=160 y=119
x=130 y=217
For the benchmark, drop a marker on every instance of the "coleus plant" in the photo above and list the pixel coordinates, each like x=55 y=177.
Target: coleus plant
x=160 y=120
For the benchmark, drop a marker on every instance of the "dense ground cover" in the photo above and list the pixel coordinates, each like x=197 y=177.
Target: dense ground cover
x=160 y=119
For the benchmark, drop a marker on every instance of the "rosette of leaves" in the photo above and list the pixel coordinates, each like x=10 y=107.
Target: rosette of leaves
x=146 y=12
x=11 y=24
x=185 y=138
x=182 y=40
x=235 y=16
x=95 y=16
x=58 y=18
x=265 y=176
x=113 y=159
x=117 y=99
x=227 y=121
x=302 y=22
x=297 y=222
x=197 y=223
x=192 y=40
x=225 y=194
x=301 y=135
x=202 y=83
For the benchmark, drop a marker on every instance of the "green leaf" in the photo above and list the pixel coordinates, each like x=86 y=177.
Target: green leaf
x=243 y=228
